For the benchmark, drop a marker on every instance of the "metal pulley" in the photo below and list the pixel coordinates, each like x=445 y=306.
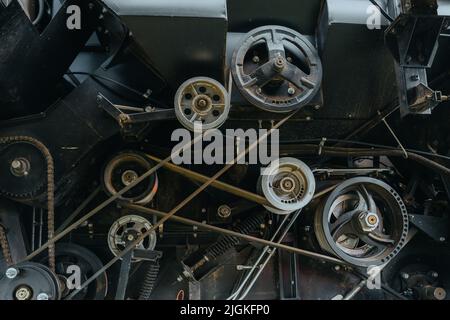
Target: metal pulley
x=204 y=101
x=124 y=169
x=288 y=185
x=277 y=69
x=363 y=221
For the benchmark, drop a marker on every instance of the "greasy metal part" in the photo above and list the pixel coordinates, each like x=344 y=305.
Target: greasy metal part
x=202 y=100
x=50 y=188
x=279 y=82
x=186 y=200
x=216 y=184
x=5 y=246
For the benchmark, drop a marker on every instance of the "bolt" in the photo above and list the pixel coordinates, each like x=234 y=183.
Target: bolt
x=442 y=239
x=405 y=275
x=11 y=273
x=259 y=90
x=317 y=106
x=337 y=267
x=279 y=64
x=291 y=91
x=256 y=59
x=20 y=167
x=434 y=274
x=224 y=211
x=23 y=293
x=415 y=77
x=43 y=296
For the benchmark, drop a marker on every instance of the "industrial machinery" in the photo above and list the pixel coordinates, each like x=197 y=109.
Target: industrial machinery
x=224 y=149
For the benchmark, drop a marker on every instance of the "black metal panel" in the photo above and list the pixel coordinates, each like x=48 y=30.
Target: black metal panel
x=180 y=39
x=301 y=16
x=70 y=129
x=32 y=64
x=359 y=76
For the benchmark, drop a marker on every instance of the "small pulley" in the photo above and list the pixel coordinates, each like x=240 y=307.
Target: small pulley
x=202 y=100
x=124 y=169
x=288 y=185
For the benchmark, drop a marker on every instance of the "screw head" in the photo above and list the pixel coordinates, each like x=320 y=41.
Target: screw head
x=291 y=91
x=12 y=273
x=42 y=296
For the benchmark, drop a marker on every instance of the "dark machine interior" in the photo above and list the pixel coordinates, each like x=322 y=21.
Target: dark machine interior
x=91 y=93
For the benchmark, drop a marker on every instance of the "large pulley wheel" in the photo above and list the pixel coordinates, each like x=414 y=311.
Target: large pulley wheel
x=277 y=69
x=204 y=101
x=288 y=185
x=29 y=281
x=74 y=260
x=363 y=221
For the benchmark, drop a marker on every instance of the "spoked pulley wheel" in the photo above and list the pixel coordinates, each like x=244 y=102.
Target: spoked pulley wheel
x=288 y=185
x=128 y=229
x=204 y=101
x=277 y=69
x=363 y=221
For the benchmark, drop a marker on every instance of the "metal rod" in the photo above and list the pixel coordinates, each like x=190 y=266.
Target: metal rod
x=237 y=234
x=271 y=253
x=216 y=184
x=80 y=208
x=108 y=201
x=172 y=212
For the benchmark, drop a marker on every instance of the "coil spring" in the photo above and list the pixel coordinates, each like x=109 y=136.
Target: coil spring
x=227 y=242
x=149 y=281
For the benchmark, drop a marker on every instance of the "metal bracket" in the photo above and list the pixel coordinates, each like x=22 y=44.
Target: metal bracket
x=133 y=120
